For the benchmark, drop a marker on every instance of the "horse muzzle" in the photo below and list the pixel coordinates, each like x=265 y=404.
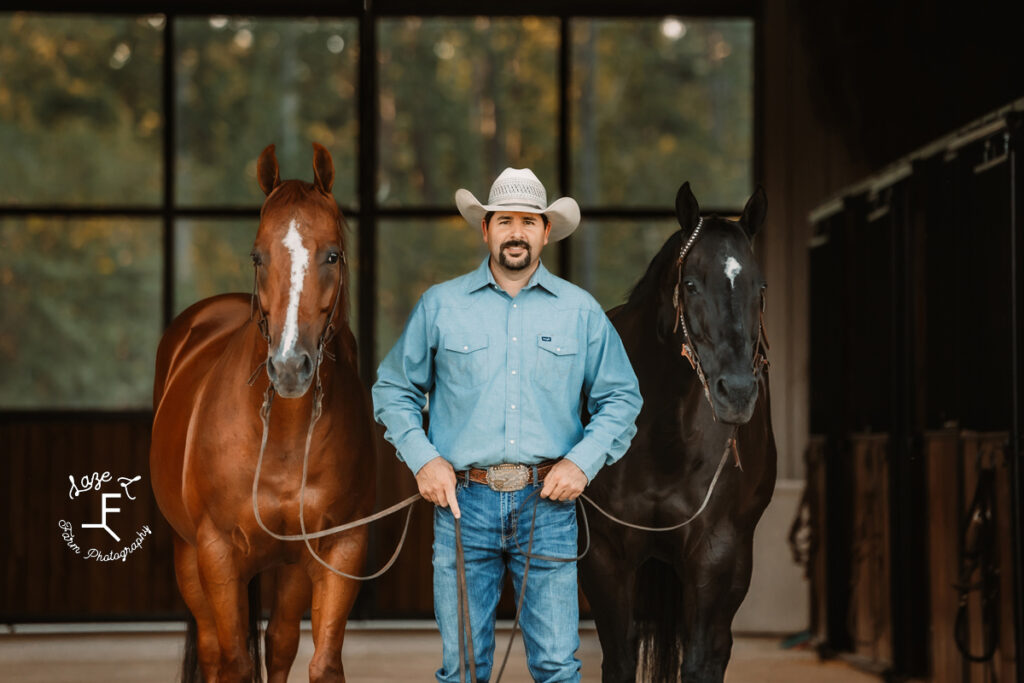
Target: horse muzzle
x=734 y=396
x=291 y=374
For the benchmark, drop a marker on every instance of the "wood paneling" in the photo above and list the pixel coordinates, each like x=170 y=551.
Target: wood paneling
x=870 y=598
x=942 y=452
x=42 y=578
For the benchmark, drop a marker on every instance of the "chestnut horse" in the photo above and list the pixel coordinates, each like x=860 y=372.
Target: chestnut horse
x=207 y=433
x=672 y=595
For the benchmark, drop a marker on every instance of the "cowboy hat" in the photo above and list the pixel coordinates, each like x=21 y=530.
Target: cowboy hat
x=518 y=189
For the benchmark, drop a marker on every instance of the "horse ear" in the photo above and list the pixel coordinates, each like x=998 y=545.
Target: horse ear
x=323 y=168
x=754 y=212
x=687 y=209
x=266 y=170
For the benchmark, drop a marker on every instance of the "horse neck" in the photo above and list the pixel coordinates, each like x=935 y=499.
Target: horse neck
x=666 y=378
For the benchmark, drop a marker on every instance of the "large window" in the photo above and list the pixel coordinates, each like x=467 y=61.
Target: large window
x=128 y=190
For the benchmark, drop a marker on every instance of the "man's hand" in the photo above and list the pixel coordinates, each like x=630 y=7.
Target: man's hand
x=436 y=480
x=565 y=481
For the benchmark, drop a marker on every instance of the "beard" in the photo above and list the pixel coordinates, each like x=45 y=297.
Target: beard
x=521 y=262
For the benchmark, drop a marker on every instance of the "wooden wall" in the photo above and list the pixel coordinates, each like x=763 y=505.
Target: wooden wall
x=40 y=577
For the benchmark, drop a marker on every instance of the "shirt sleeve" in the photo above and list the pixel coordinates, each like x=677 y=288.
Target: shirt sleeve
x=404 y=379
x=613 y=399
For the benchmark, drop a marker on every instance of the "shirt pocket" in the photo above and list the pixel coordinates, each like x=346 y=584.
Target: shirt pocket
x=556 y=355
x=465 y=358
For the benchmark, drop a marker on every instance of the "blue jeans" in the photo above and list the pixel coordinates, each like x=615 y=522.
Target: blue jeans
x=491 y=521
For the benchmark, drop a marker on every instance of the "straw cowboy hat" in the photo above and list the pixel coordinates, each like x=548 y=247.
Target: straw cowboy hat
x=518 y=189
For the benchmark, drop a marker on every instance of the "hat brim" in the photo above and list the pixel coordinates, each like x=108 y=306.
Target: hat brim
x=563 y=213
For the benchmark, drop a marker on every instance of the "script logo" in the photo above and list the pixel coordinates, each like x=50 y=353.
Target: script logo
x=104 y=506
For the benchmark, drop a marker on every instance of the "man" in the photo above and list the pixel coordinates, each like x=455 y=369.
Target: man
x=507 y=354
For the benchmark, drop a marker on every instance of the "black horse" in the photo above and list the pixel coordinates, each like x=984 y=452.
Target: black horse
x=672 y=595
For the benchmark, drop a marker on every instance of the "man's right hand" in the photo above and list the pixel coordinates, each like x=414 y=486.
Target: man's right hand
x=436 y=480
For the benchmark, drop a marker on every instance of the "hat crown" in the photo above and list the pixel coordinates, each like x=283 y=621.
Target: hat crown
x=518 y=186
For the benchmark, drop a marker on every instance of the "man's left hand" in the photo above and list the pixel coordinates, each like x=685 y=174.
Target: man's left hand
x=565 y=481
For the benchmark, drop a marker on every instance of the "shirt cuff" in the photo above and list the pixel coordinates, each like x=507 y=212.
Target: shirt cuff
x=416 y=450
x=587 y=458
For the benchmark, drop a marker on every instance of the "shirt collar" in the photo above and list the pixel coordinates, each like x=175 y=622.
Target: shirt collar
x=483 y=277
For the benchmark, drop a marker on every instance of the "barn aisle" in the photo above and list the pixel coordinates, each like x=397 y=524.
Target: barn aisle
x=371 y=656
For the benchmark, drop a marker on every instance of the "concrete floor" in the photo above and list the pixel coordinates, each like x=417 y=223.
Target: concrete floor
x=371 y=656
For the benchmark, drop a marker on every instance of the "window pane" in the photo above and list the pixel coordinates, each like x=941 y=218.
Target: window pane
x=656 y=102
x=79 y=312
x=244 y=84
x=80 y=109
x=415 y=255
x=461 y=99
x=213 y=258
x=609 y=257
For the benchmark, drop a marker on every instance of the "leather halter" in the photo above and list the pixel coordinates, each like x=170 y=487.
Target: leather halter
x=326 y=334
x=689 y=349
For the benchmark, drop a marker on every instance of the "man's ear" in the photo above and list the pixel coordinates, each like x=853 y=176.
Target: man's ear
x=483 y=228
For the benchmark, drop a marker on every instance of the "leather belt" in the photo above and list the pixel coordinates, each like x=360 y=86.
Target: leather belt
x=508 y=476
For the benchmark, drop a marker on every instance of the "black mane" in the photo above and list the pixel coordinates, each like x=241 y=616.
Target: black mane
x=646 y=288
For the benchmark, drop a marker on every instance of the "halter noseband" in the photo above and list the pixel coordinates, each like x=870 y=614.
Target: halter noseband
x=689 y=349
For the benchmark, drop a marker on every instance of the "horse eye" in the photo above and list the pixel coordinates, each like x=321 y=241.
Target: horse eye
x=256 y=260
x=690 y=287
x=332 y=257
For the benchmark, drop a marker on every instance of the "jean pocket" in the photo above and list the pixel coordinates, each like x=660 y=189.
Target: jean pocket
x=464 y=359
x=556 y=356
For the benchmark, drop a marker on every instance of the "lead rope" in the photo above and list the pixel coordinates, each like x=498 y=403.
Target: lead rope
x=305 y=536
x=466 y=651
x=729 y=448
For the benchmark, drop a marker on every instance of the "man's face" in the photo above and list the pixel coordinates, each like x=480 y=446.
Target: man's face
x=515 y=239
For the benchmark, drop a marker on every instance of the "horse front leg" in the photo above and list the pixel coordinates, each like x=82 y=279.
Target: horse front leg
x=186 y=571
x=291 y=599
x=608 y=579
x=716 y=576
x=333 y=597
x=226 y=592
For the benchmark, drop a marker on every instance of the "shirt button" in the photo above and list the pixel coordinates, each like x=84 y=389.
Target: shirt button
x=558 y=349
x=511 y=440
x=513 y=372
x=465 y=348
x=514 y=339
x=515 y=306
x=513 y=406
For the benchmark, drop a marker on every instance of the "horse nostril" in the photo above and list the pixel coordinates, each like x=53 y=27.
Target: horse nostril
x=721 y=388
x=271 y=370
x=307 y=365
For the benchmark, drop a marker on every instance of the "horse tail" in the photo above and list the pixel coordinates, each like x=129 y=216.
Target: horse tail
x=190 y=671
x=659 y=619
x=255 y=618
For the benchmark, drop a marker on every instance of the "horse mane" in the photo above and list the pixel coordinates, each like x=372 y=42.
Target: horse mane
x=299 y=191
x=646 y=288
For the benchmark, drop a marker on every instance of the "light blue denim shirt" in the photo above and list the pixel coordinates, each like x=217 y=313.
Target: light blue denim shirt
x=507 y=377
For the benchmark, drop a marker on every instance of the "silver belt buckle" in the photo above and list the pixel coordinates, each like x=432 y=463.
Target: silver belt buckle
x=508 y=477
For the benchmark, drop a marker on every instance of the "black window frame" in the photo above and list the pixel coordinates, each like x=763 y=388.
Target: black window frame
x=369 y=212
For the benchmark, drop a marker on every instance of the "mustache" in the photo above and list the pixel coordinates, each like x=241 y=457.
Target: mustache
x=516 y=243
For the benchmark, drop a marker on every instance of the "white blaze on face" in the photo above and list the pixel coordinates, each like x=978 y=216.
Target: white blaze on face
x=300 y=262
x=732 y=269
